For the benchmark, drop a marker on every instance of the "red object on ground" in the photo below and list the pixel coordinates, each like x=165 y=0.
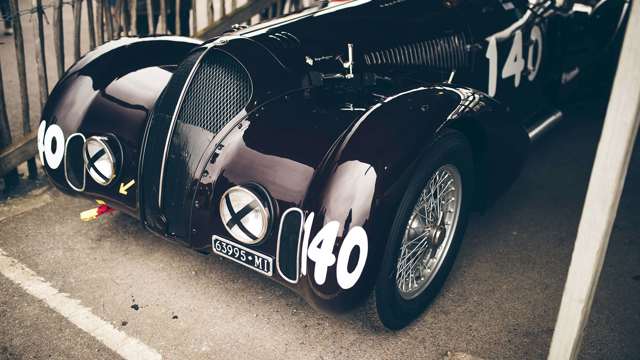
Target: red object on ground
x=103 y=209
x=93 y=214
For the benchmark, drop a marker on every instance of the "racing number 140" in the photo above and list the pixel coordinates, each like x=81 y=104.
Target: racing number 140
x=320 y=251
x=515 y=63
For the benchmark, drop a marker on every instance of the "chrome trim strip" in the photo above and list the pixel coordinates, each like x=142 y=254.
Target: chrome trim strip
x=541 y=127
x=174 y=118
x=451 y=76
x=284 y=215
x=64 y=160
x=582 y=8
x=623 y=13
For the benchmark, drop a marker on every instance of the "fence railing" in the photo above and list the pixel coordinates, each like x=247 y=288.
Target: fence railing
x=104 y=20
x=246 y=14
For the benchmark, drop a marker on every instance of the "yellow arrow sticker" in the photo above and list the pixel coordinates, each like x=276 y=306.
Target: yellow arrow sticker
x=124 y=187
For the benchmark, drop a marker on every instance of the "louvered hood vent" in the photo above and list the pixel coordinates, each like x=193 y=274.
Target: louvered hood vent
x=445 y=53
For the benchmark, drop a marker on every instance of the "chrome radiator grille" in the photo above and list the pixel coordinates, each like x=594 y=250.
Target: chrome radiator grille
x=218 y=91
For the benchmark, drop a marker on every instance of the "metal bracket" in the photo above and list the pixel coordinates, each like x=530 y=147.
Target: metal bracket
x=349 y=64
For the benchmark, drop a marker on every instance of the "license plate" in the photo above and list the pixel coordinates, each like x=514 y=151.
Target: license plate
x=242 y=255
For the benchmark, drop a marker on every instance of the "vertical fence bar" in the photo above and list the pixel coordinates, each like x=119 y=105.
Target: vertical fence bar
x=108 y=13
x=223 y=8
x=177 y=17
x=22 y=78
x=162 y=20
x=194 y=10
x=11 y=178
x=133 y=12
x=150 y=18
x=92 y=28
x=117 y=19
x=99 y=19
x=105 y=19
x=123 y=19
x=41 y=62
x=210 y=12
x=126 y=18
x=77 y=21
x=58 y=37
x=264 y=14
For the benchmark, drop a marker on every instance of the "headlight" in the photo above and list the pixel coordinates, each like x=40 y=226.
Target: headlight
x=245 y=215
x=99 y=160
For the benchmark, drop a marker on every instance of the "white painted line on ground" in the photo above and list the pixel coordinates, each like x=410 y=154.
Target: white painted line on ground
x=81 y=316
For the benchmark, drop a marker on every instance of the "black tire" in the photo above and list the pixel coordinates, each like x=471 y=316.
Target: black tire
x=394 y=311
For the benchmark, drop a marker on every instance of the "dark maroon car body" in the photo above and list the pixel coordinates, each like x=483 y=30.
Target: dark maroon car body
x=288 y=117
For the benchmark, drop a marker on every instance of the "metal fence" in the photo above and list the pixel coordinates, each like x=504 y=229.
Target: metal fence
x=104 y=20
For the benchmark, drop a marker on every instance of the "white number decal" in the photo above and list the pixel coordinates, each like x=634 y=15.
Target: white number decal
x=46 y=136
x=492 y=55
x=356 y=237
x=320 y=251
x=515 y=62
x=536 y=39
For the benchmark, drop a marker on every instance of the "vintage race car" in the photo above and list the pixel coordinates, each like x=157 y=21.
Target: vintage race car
x=339 y=150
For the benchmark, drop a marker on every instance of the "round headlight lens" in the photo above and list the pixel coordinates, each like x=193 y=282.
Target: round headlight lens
x=244 y=215
x=99 y=160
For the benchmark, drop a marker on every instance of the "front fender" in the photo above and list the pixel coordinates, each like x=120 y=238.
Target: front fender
x=108 y=92
x=365 y=177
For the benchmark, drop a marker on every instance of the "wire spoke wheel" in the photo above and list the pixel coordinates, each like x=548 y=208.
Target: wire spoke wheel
x=429 y=232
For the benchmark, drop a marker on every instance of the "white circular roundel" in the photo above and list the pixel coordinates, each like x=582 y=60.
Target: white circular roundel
x=244 y=215
x=99 y=160
x=53 y=145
